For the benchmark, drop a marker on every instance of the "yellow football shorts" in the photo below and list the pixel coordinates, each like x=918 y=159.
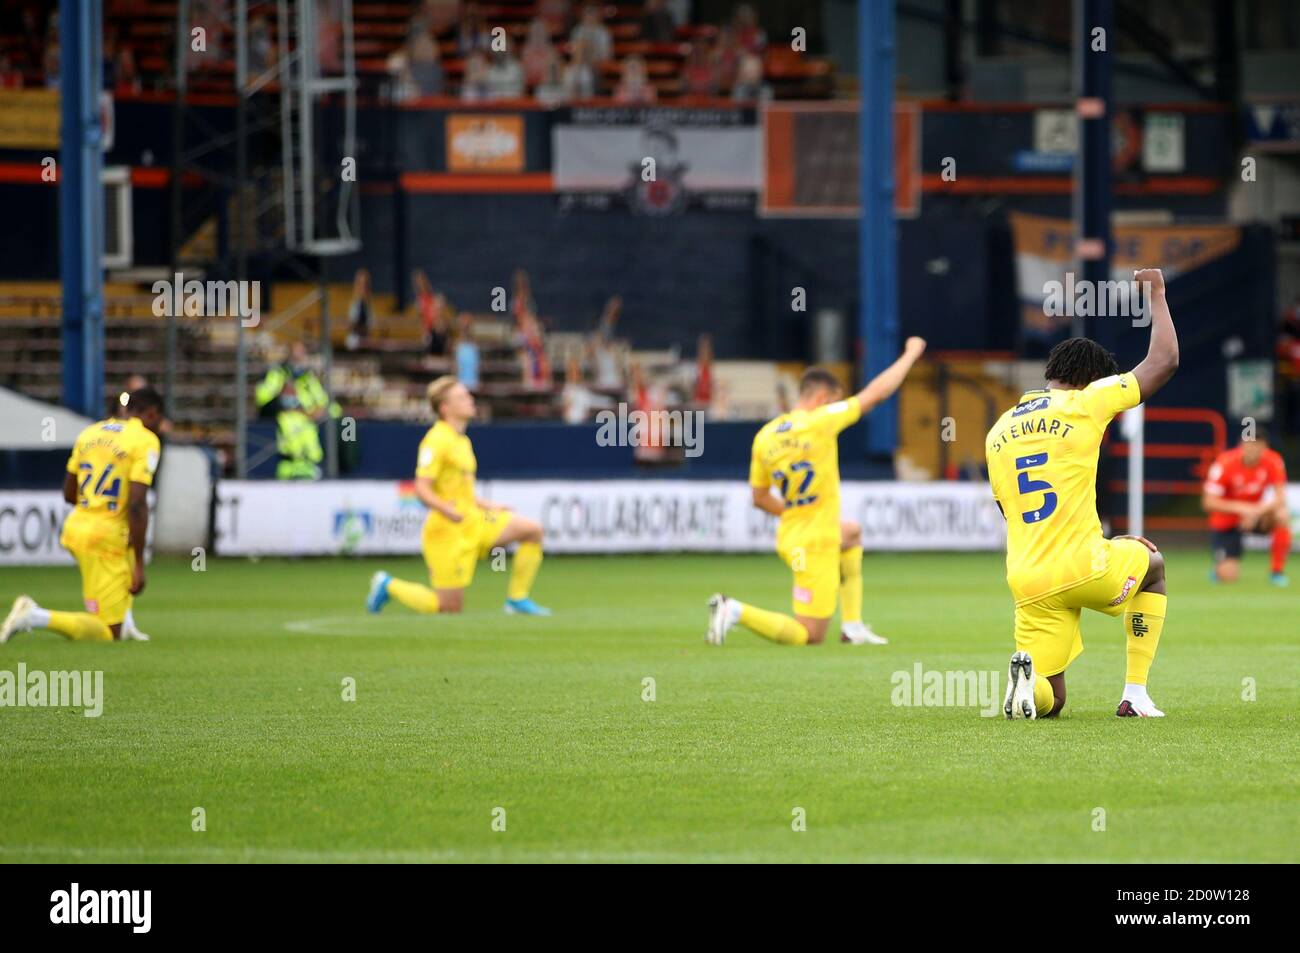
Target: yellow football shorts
x=100 y=547
x=816 y=578
x=453 y=556
x=1049 y=628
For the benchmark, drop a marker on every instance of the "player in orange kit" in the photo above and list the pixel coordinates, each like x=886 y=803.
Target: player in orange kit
x=1234 y=498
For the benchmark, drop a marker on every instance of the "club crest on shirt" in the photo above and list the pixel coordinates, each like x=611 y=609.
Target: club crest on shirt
x=1129 y=583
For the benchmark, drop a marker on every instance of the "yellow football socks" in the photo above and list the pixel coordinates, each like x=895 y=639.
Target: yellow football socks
x=80 y=627
x=528 y=559
x=413 y=595
x=773 y=625
x=1044 y=697
x=1143 y=621
x=851 y=585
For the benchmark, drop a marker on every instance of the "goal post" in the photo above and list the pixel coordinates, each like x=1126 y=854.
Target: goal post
x=1133 y=427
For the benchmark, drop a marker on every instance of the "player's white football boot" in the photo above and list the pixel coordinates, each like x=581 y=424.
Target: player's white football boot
x=1019 y=702
x=859 y=633
x=18 y=619
x=131 y=632
x=1136 y=703
x=723 y=614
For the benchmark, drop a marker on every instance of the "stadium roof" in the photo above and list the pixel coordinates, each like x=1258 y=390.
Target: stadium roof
x=27 y=424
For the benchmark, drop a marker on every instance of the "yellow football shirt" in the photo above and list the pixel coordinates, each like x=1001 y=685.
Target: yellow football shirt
x=1042 y=462
x=798 y=453
x=446 y=457
x=106 y=459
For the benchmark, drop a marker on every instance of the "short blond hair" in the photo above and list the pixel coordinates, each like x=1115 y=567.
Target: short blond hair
x=439 y=389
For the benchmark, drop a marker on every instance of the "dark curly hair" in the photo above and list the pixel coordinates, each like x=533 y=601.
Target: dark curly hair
x=1079 y=361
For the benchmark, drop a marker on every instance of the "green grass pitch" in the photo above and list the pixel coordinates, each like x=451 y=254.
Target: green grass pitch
x=237 y=707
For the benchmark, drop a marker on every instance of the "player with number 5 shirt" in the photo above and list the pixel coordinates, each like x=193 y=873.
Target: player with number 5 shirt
x=1042 y=464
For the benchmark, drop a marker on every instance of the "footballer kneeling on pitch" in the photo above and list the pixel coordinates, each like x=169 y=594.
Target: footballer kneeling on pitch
x=1234 y=499
x=1042 y=464
x=460 y=528
x=798 y=454
x=107 y=482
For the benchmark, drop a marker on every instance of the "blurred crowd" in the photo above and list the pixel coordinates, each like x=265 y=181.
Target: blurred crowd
x=598 y=374
x=565 y=52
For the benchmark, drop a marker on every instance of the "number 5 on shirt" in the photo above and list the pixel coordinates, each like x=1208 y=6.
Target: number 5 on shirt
x=1023 y=464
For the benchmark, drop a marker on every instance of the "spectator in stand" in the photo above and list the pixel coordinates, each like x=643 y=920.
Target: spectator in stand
x=360 y=311
x=551 y=91
x=727 y=52
x=635 y=87
x=657 y=24
x=521 y=301
x=261 y=45
x=474 y=86
x=748 y=33
x=473 y=34
x=580 y=74
x=466 y=352
x=416 y=67
x=558 y=15
x=1288 y=365
x=700 y=74
x=505 y=77
x=702 y=394
x=441 y=15
x=431 y=308
x=749 y=85
x=578 y=402
x=212 y=17
x=602 y=350
x=646 y=398
x=592 y=29
x=10 y=78
x=535 y=364
x=538 y=53
x=329 y=37
x=117 y=62
x=50 y=59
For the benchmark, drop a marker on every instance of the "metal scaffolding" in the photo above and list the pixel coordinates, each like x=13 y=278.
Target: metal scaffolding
x=281 y=180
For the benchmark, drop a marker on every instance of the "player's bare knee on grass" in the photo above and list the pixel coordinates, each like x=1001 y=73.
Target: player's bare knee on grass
x=451 y=601
x=816 y=628
x=1058 y=695
x=1228 y=571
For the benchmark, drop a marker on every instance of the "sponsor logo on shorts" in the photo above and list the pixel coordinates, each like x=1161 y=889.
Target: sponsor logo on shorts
x=92 y=606
x=1129 y=583
x=802 y=594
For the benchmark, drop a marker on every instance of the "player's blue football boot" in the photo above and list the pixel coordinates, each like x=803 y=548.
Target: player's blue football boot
x=378 y=594
x=525 y=607
x=1279 y=579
